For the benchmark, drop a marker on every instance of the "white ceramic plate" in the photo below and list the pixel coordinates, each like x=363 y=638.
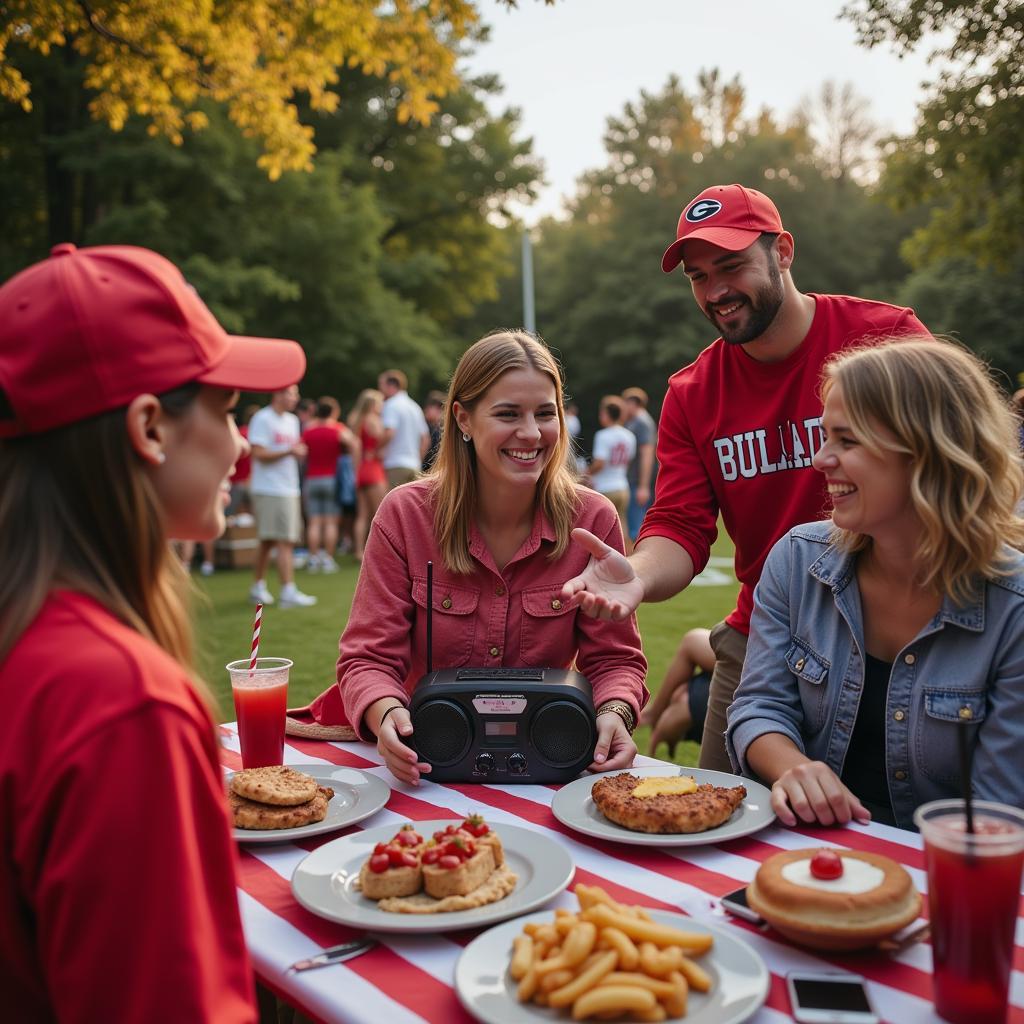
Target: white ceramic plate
x=325 y=881
x=740 y=978
x=574 y=806
x=357 y=795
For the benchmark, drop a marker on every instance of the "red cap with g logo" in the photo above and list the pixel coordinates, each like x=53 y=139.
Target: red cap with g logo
x=730 y=216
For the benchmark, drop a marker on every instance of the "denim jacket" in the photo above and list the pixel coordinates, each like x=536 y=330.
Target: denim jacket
x=804 y=674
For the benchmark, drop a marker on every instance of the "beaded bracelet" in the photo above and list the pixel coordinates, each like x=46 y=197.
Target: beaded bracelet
x=623 y=710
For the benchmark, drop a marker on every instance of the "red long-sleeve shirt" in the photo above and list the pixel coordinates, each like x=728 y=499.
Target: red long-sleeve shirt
x=490 y=617
x=737 y=435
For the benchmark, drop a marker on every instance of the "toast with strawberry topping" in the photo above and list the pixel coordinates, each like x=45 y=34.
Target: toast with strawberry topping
x=394 y=867
x=460 y=858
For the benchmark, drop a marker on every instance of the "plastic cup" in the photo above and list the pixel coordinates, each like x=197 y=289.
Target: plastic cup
x=973 y=897
x=261 y=702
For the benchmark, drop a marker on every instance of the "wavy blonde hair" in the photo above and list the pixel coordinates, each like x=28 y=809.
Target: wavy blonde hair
x=948 y=417
x=453 y=475
x=368 y=397
x=78 y=511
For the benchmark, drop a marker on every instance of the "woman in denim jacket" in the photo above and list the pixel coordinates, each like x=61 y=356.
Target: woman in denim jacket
x=876 y=636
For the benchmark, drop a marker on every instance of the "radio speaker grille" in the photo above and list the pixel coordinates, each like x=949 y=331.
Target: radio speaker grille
x=442 y=732
x=561 y=733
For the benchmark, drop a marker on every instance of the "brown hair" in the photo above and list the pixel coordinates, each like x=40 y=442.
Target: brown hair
x=78 y=511
x=612 y=406
x=959 y=434
x=397 y=378
x=326 y=407
x=454 y=472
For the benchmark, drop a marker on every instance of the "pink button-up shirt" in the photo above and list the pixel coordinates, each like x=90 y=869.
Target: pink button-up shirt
x=512 y=616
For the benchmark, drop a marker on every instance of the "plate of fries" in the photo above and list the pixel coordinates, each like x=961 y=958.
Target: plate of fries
x=610 y=961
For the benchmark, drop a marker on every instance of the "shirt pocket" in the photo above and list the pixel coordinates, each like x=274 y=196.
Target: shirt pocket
x=944 y=712
x=454 y=620
x=811 y=670
x=548 y=636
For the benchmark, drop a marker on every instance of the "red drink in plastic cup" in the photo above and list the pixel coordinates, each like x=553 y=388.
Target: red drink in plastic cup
x=261 y=701
x=973 y=898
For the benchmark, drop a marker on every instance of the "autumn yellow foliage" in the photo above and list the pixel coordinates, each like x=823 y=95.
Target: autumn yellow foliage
x=158 y=58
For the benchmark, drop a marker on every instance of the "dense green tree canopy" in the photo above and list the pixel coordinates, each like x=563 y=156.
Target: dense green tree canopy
x=965 y=161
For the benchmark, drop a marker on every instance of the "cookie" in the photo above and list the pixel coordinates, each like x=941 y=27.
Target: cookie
x=250 y=814
x=277 y=784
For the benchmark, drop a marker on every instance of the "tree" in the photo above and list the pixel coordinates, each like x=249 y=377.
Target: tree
x=965 y=161
x=159 y=61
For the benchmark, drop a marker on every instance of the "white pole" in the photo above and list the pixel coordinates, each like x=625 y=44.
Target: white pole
x=529 y=315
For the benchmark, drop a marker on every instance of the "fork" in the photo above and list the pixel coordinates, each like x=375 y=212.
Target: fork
x=336 y=954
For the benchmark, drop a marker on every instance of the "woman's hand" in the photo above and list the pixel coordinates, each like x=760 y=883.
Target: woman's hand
x=400 y=759
x=615 y=747
x=812 y=792
x=608 y=588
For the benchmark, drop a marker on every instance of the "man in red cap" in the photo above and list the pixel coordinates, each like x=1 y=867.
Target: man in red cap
x=738 y=427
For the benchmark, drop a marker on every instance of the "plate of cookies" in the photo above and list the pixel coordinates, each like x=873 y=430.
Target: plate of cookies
x=281 y=803
x=664 y=806
x=432 y=876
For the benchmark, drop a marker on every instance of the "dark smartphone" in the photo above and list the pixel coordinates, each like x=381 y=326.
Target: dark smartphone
x=828 y=998
x=735 y=903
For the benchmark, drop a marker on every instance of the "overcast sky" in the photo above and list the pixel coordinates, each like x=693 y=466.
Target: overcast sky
x=570 y=66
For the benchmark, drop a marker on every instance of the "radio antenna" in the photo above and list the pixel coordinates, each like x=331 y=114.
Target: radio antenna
x=430 y=617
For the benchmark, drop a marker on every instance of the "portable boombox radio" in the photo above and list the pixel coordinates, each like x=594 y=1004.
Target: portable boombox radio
x=505 y=725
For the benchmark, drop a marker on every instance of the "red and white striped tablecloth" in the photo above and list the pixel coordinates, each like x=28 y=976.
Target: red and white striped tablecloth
x=409 y=979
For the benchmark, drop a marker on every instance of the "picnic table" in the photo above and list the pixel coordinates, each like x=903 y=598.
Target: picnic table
x=410 y=978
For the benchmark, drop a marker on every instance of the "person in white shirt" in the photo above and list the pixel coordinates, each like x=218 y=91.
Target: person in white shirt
x=614 y=448
x=406 y=436
x=275 y=438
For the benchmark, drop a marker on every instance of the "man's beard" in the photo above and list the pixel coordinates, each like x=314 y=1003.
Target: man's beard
x=763 y=308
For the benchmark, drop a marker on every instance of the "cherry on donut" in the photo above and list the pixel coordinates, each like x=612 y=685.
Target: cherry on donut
x=826 y=864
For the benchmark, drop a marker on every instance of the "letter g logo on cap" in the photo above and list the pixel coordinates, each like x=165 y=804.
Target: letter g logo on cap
x=702 y=209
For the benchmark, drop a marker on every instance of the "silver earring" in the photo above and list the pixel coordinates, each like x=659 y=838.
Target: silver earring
x=161 y=458
x=465 y=436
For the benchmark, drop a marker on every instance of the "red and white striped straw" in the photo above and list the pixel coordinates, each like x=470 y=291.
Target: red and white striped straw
x=255 y=639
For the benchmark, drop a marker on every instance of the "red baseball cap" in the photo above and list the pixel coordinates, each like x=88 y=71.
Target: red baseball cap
x=730 y=216
x=88 y=330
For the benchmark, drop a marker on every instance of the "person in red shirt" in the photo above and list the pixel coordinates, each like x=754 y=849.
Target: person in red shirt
x=325 y=439
x=371 y=480
x=739 y=426
x=494 y=517
x=117 y=878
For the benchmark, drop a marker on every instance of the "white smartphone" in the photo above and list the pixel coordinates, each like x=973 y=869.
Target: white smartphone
x=829 y=998
x=735 y=903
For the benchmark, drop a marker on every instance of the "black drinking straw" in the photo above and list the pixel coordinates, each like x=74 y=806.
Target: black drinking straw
x=965 y=773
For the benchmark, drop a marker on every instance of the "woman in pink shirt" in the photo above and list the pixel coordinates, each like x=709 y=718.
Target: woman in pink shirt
x=494 y=516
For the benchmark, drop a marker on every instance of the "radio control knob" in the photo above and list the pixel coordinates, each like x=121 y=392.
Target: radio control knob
x=516 y=764
x=484 y=763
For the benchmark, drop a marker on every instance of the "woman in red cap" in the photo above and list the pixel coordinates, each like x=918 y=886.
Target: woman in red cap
x=117 y=881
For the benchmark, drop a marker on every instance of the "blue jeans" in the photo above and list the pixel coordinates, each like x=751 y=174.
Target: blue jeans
x=635 y=513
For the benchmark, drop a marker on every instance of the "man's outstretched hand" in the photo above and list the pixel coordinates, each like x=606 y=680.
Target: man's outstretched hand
x=608 y=588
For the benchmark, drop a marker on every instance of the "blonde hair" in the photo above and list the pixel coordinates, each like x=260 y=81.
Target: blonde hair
x=959 y=434
x=368 y=398
x=78 y=511
x=453 y=475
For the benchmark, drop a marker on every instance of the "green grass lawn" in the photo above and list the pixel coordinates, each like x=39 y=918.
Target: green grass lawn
x=309 y=636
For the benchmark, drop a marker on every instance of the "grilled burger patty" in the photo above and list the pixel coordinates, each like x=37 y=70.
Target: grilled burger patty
x=708 y=807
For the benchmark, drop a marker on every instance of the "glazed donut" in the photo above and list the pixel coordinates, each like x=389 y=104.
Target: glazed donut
x=871 y=898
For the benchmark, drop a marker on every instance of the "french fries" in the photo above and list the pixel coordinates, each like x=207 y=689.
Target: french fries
x=608 y=962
